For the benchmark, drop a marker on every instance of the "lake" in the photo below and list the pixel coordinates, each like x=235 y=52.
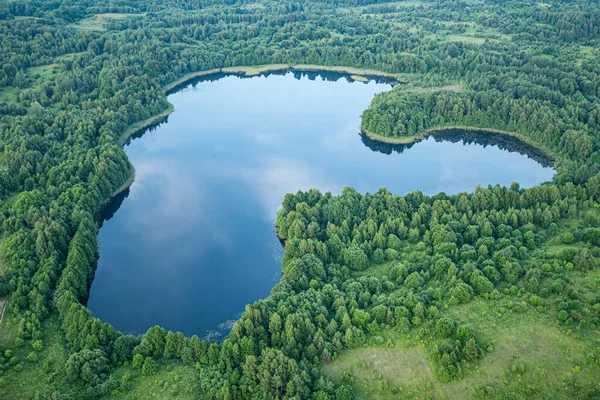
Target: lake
x=193 y=240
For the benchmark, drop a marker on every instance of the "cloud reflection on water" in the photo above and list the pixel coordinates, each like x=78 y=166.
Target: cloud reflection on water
x=277 y=175
x=194 y=241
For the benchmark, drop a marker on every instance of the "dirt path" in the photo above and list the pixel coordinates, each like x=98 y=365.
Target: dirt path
x=3 y=304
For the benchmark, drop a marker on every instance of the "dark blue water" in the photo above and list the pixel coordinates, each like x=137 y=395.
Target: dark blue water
x=192 y=242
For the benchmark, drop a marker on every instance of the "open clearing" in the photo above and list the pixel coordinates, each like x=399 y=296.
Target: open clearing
x=173 y=381
x=44 y=71
x=98 y=21
x=3 y=303
x=400 y=366
x=553 y=361
x=7 y=93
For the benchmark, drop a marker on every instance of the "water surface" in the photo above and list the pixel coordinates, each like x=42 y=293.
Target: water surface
x=192 y=242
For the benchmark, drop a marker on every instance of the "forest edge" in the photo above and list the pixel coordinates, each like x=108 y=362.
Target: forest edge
x=356 y=74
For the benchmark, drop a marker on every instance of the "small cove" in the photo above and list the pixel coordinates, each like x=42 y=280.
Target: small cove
x=192 y=241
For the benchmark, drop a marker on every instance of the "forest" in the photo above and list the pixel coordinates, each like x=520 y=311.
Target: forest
x=493 y=294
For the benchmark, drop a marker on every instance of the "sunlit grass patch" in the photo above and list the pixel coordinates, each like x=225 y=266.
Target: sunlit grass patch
x=68 y=56
x=381 y=372
x=172 y=381
x=376 y=270
x=526 y=347
x=98 y=21
x=43 y=71
x=524 y=352
x=256 y=70
x=466 y=39
x=40 y=375
x=7 y=93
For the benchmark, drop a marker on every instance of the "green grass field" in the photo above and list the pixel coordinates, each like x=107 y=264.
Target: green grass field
x=68 y=56
x=33 y=379
x=43 y=71
x=466 y=39
x=98 y=21
x=7 y=93
x=172 y=381
x=553 y=361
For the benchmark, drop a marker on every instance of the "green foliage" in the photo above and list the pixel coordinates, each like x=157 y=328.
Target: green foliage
x=69 y=95
x=414 y=281
x=445 y=327
x=344 y=393
x=37 y=345
x=138 y=361
x=150 y=367
x=355 y=258
x=90 y=366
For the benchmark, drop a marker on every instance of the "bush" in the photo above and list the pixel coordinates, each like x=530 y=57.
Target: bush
x=344 y=393
x=563 y=316
x=536 y=301
x=414 y=281
x=462 y=292
x=402 y=325
x=391 y=254
x=360 y=318
x=378 y=256
x=150 y=367
x=90 y=366
x=445 y=327
x=398 y=272
x=567 y=238
x=126 y=381
x=382 y=386
x=355 y=258
x=464 y=333
x=138 y=361
x=471 y=350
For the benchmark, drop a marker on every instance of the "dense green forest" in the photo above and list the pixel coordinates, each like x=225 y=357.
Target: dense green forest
x=493 y=294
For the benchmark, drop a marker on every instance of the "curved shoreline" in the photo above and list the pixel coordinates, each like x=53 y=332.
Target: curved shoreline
x=137 y=127
x=357 y=74
x=123 y=187
x=429 y=132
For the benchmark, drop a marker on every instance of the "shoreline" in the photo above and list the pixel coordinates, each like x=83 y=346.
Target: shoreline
x=119 y=190
x=126 y=185
x=417 y=138
x=356 y=74
x=145 y=124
